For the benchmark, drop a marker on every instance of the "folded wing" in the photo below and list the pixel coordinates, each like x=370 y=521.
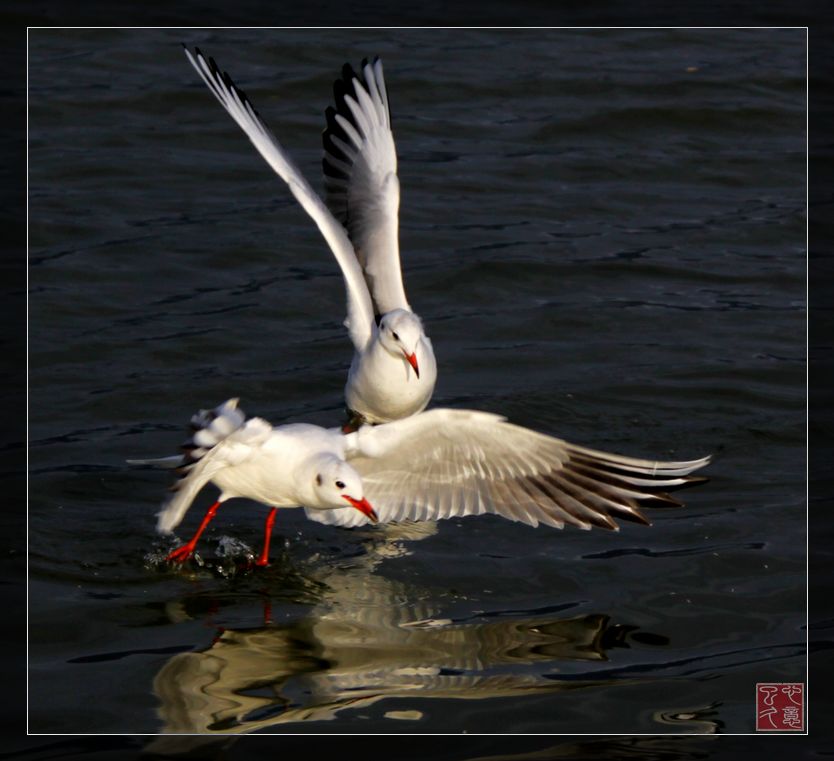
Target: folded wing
x=359 y=307
x=360 y=177
x=449 y=463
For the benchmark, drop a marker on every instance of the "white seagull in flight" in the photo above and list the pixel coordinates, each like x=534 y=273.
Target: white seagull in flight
x=443 y=463
x=394 y=371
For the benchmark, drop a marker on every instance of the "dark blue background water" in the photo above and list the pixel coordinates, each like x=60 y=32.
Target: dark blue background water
x=604 y=233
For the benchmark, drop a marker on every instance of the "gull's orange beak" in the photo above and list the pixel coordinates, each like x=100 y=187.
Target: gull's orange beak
x=412 y=360
x=362 y=506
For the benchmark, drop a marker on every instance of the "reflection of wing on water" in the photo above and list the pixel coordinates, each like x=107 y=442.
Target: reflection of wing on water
x=370 y=638
x=309 y=671
x=209 y=695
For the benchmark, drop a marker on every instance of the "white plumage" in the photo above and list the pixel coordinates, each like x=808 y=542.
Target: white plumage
x=438 y=464
x=447 y=463
x=360 y=176
x=394 y=371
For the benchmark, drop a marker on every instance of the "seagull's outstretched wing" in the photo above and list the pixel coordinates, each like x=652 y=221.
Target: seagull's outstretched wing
x=221 y=438
x=447 y=463
x=360 y=176
x=359 y=306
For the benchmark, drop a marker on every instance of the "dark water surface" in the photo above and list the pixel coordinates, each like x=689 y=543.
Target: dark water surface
x=604 y=233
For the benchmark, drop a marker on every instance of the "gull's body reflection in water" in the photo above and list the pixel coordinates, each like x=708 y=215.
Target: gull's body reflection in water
x=369 y=638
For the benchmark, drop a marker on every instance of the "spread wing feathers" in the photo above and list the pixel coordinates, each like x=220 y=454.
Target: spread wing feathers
x=359 y=307
x=219 y=438
x=451 y=463
x=360 y=177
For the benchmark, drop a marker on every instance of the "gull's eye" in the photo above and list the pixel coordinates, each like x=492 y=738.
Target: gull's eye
x=340 y=484
x=396 y=337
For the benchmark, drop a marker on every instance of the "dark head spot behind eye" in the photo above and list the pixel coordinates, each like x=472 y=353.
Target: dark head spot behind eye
x=318 y=479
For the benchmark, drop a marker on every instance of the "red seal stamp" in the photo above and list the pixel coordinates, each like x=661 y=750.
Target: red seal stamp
x=780 y=707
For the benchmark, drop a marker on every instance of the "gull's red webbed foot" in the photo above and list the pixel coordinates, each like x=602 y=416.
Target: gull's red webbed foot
x=181 y=554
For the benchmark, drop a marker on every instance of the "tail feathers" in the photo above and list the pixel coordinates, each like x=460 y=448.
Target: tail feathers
x=209 y=428
x=174 y=461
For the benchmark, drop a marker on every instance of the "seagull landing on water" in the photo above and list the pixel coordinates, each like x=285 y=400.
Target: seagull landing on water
x=287 y=466
x=394 y=371
x=443 y=463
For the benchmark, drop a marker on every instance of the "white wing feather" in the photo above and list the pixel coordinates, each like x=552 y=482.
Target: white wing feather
x=450 y=463
x=186 y=489
x=360 y=173
x=359 y=307
x=226 y=441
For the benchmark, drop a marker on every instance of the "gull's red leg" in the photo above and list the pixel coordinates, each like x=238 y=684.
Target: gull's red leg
x=267 y=611
x=181 y=554
x=270 y=522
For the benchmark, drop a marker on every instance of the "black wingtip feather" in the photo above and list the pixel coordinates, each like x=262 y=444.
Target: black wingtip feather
x=348 y=74
x=634 y=517
x=330 y=146
x=345 y=85
x=661 y=500
x=334 y=129
x=339 y=92
x=330 y=171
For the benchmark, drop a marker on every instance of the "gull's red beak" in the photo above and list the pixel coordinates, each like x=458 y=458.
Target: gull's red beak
x=412 y=360
x=362 y=506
